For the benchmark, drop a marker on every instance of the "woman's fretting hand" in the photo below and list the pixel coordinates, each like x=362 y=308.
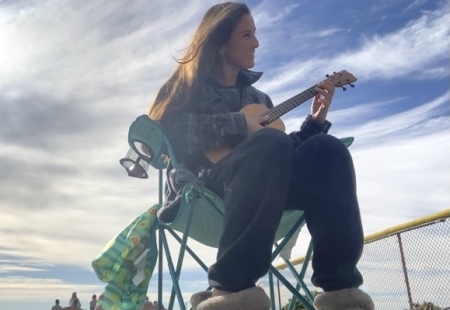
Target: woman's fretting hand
x=322 y=101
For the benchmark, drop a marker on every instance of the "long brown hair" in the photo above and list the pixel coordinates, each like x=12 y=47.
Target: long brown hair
x=196 y=65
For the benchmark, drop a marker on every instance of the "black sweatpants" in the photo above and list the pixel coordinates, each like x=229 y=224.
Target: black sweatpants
x=265 y=175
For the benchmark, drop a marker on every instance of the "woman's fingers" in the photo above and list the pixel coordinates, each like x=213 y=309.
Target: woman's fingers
x=326 y=92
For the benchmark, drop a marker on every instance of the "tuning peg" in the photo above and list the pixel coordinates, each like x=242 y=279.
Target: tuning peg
x=343 y=88
x=351 y=85
x=327 y=75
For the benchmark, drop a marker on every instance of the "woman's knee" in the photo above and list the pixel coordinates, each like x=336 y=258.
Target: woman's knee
x=327 y=144
x=271 y=140
x=268 y=146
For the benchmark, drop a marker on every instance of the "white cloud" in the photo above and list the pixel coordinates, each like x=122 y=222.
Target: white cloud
x=264 y=17
x=418 y=48
x=5 y=268
x=23 y=288
x=421 y=120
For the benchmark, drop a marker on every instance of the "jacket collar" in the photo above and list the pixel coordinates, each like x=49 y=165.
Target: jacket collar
x=247 y=77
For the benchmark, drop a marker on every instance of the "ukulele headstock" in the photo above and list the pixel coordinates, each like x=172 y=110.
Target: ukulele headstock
x=342 y=78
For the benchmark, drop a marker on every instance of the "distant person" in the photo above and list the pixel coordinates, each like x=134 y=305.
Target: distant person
x=93 y=302
x=74 y=301
x=148 y=305
x=56 y=306
x=99 y=302
x=147 y=301
x=155 y=304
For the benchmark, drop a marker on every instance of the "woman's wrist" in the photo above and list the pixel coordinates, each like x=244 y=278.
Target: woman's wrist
x=312 y=123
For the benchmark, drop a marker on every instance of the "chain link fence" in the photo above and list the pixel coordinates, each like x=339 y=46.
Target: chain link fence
x=405 y=267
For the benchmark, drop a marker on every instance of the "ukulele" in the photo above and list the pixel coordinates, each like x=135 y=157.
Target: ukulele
x=339 y=79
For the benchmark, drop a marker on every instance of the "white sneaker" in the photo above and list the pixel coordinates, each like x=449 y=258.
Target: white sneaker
x=253 y=298
x=345 y=299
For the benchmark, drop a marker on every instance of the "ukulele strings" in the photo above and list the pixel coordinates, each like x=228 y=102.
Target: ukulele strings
x=289 y=104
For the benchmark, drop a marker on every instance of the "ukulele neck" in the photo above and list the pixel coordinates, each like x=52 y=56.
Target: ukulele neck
x=290 y=104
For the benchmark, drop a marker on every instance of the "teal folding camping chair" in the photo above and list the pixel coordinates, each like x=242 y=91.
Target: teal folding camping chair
x=200 y=215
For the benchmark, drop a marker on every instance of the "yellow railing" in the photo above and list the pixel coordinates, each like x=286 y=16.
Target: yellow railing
x=438 y=216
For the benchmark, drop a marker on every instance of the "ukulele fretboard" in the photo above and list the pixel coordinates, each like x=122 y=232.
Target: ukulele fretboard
x=289 y=104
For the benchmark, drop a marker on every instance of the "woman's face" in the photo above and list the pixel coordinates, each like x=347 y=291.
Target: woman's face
x=239 y=51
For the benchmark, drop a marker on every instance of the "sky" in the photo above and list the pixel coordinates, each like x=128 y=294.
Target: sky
x=75 y=74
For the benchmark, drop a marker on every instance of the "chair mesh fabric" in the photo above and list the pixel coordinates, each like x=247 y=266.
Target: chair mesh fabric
x=207 y=217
